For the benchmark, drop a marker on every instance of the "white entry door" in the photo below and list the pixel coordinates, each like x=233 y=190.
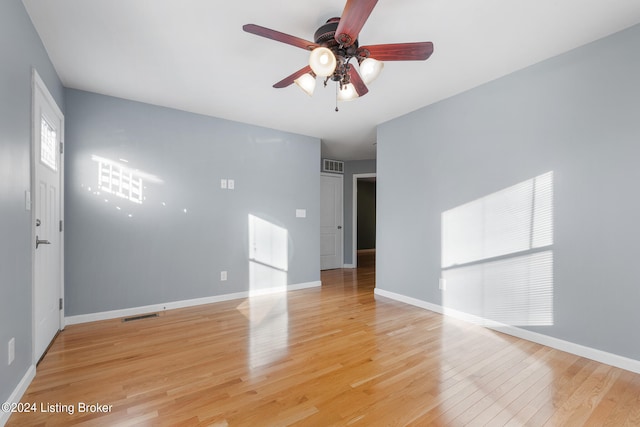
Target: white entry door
x=48 y=129
x=331 y=232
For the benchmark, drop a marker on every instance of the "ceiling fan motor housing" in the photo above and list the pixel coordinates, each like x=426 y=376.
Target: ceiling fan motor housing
x=325 y=35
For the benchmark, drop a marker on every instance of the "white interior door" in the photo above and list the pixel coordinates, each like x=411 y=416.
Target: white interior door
x=331 y=232
x=48 y=129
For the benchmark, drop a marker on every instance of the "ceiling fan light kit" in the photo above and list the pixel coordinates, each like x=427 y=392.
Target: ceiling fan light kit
x=306 y=82
x=336 y=45
x=322 y=61
x=347 y=93
x=370 y=69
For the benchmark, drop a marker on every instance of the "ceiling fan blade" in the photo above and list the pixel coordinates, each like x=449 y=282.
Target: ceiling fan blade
x=289 y=80
x=278 y=36
x=397 y=51
x=357 y=82
x=353 y=17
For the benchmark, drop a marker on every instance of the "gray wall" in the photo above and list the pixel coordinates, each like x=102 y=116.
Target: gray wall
x=351 y=168
x=577 y=115
x=160 y=253
x=20 y=51
x=366 y=214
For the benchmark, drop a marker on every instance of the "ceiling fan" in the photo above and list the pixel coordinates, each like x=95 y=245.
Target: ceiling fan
x=336 y=45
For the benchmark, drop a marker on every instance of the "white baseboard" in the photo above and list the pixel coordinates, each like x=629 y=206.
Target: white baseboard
x=348 y=266
x=18 y=392
x=297 y=287
x=133 y=311
x=559 y=344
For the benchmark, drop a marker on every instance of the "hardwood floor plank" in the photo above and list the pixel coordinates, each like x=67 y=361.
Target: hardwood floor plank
x=518 y=411
x=330 y=356
x=542 y=407
x=626 y=401
x=577 y=408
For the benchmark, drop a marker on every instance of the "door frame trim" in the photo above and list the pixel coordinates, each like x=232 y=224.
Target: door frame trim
x=354 y=219
x=39 y=89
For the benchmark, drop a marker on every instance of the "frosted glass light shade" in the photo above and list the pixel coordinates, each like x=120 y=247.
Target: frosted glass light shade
x=370 y=69
x=307 y=83
x=347 y=93
x=322 y=61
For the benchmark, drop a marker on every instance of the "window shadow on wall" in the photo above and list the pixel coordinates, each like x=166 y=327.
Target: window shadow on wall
x=497 y=255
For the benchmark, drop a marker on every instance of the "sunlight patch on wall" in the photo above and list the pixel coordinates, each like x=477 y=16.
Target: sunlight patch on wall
x=512 y=220
x=267 y=307
x=513 y=291
x=268 y=256
x=497 y=257
x=122 y=181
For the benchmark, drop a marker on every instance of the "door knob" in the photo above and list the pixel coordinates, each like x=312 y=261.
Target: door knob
x=339 y=227
x=41 y=242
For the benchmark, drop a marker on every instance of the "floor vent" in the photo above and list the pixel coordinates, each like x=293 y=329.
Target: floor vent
x=144 y=316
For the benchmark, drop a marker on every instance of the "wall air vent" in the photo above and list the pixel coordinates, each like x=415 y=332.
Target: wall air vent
x=333 y=166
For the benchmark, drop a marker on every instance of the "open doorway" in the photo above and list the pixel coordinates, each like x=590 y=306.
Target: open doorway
x=364 y=219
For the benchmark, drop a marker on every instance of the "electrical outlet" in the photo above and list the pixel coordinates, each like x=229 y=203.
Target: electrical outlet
x=223 y=183
x=11 y=351
x=223 y=276
x=231 y=184
x=443 y=284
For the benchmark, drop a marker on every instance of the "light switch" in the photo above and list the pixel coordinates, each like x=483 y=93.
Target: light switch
x=301 y=213
x=223 y=183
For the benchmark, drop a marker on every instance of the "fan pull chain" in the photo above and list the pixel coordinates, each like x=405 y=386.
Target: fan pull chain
x=337 y=98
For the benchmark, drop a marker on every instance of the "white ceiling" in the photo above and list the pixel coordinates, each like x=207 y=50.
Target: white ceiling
x=193 y=55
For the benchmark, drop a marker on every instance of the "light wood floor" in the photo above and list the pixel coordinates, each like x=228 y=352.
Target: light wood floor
x=321 y=357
